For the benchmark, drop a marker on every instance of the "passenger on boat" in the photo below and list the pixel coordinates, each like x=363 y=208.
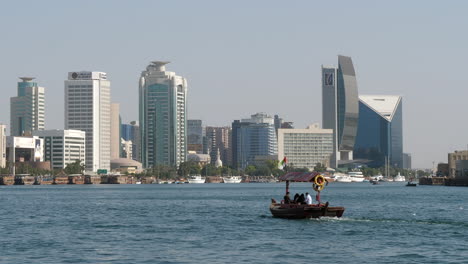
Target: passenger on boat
x=287 y=199
x=308 y=199
x=301 y=199
x=296 y=196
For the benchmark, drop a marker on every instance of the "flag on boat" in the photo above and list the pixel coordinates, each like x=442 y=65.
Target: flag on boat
x=282 y=163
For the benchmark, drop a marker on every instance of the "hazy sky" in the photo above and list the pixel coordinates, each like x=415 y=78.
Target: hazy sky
x=243 y=57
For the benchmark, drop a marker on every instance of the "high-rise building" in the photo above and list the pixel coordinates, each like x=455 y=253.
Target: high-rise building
x=407 y=162
x=340 y=109
x=27 y=109
x=163 y=116
x=195 y=134
x=2 y=146
x=304 y=148
x=131 y=132
x=62 y=147
x=219 y=138
x=115 y=131
x=253 y=139
x=87 y=108
x=380 y=130
x=127 y=149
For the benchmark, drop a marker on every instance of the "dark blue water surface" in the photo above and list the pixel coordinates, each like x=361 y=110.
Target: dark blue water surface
x=230 y=223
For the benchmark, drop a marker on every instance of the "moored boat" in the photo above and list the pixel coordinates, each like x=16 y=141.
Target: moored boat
x=300 y=211
x=343 y=178
x=356 y=176
x=399 y=178
x=232 y=179
x=196 y=179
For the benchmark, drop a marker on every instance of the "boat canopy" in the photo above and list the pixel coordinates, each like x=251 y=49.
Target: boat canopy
x=299 y=176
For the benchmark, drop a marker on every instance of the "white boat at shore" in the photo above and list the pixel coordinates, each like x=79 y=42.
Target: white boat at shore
x=399 y=178
x=232 y=179
x=343 y=178
x=196 y=179
x=356 y=176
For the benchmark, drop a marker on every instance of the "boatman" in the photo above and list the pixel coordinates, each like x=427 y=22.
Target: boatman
x=308 y=198
x=287 y=199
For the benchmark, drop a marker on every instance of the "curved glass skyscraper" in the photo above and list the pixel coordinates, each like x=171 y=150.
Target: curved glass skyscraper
x=340 y=110
x=380 y=132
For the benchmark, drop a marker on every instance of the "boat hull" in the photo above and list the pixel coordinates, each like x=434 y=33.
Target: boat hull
x=234 y=179
x=301 y=211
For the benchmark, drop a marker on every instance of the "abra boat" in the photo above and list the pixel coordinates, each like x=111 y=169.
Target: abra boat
x=232 y=179
x=300 y=211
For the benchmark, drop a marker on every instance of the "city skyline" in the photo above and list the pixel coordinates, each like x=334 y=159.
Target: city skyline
x=404 y=51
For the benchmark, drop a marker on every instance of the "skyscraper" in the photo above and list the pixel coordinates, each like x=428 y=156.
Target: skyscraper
x=87 y=108
x=163 y=116
x=195 y=134
x=340 y=110
x=131 y=132
x=253 y=139
x=27 y=109
x=380 y=131
x=115 y=131
x=219 y=140
x=2 y=146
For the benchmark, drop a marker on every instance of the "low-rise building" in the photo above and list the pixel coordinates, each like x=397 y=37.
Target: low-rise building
x=62 y=147
x=304 y=148
x=452 y=159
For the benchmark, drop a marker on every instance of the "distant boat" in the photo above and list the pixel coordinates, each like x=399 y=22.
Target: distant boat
x=399 y=178
x=232 y=179
x=411 y=184
x=196 y=179
x=356 y=176
x=343 y=178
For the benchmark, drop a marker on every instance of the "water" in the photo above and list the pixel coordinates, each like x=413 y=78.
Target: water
x=230 y=223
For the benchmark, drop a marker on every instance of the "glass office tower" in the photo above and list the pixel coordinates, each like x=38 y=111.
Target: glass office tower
x=27 y=110
x=340 y=110
x=380 y=131
x=163 y=116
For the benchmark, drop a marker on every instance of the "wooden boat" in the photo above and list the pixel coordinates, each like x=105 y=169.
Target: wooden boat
x=300 y=211
x=7 y=180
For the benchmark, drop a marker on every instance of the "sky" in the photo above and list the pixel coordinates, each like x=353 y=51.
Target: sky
x=242 y=57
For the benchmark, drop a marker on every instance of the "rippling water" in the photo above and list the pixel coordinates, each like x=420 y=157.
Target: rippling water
x=230 y=223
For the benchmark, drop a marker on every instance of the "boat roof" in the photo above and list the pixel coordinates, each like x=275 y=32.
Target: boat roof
x=299 y=176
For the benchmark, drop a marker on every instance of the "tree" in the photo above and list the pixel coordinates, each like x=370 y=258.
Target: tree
x=188 y=168
x=319 y=167
x=75 y=168
x=250 y=170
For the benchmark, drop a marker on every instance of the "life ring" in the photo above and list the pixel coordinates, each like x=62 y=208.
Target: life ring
x=318 y=188
x=319 y=180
